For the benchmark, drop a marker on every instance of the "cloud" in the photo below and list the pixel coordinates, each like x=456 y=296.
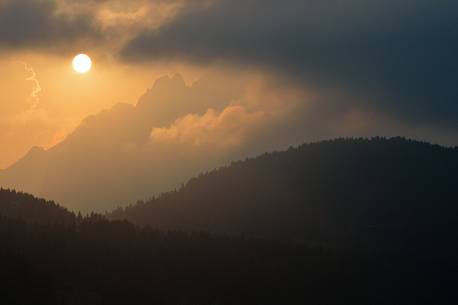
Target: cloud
x=69 y=24
x=400 y=55
x=120 y=17
x=40 y=24
x=213 y=130
x=170 y=98
x=34 y=99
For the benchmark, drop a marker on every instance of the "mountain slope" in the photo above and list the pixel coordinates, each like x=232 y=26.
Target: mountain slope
x=341 y=192
x=110 y=158
x=17 y=205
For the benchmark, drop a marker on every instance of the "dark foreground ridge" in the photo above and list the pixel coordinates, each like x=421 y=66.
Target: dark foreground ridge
x=95 y=261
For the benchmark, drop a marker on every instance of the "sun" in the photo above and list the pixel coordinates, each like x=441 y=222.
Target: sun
x=82 y=63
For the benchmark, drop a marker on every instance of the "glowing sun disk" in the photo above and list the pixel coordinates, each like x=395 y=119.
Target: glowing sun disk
x=82 y=63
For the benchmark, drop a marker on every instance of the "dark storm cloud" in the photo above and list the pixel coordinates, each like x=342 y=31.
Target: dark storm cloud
x=37 y=23
x=400 y=54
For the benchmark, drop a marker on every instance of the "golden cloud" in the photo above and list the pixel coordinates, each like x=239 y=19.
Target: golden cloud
x=222 y=130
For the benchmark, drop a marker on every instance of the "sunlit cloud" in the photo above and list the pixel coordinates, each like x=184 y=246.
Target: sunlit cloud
x=227 y=129
x=34 y=99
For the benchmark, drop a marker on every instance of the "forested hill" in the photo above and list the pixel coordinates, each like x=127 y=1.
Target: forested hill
x=95 y=261
x=344 y=191
x=336 y=192
x=17 y=205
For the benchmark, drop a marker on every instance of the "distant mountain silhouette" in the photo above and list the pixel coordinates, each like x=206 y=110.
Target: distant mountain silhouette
x=342 y=192
x=17 y=205
x=109 y=160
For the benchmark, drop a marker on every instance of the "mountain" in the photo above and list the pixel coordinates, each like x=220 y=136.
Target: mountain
x=110 y=159
x=344 y=192
x=17 y=205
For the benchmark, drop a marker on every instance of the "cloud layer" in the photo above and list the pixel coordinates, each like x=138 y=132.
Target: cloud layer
x=399 y=55
x=394 y=57
x=40 y=24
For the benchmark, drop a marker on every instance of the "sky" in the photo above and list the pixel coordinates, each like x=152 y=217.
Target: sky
x=258 y=74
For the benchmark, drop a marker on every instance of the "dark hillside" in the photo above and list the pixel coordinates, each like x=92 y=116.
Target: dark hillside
x=17 y=205
x=366 y=192
x=95 y=262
